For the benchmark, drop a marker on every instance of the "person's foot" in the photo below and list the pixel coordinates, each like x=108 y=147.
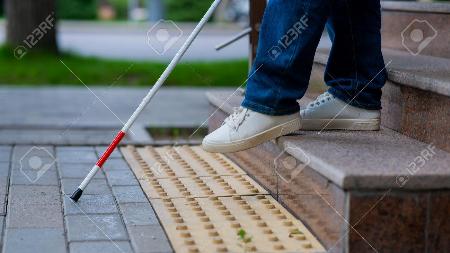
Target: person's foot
x=245 y=129
x=330 y=113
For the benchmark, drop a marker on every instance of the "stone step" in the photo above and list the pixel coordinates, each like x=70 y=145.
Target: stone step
x=416 y=98
x=416 y=28
x=355 y=190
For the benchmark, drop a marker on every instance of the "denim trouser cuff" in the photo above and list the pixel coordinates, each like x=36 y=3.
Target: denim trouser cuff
x=267 y=110
x=353 y=101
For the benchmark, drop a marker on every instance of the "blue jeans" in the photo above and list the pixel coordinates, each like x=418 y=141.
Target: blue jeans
x=290 y=34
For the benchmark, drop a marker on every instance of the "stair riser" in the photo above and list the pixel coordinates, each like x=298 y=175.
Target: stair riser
x=398 y=23
x=416 y=113
x=419 y=114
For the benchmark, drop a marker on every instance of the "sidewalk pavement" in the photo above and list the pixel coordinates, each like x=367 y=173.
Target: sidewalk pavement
x=79 y=116
x=36 y=214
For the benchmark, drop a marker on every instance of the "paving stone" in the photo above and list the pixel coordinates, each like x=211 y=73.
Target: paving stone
x=149 y=239
x=34 y=207
x=101 y=149
x=34 y=194
x=33 y=158
x=2 y=205
x=129 y=194
x=4 y=168
x=34 y=240
x=33 y=177
x=100 y=247
x=94 y=227
x=90 y=204
x=2 y=221
x=76 y=155
x=116 y=164
x=24 y=215
x=4 y=175
x=138 y=214
x=5 y=153
x=20 y=150
x=71 y=149
x=76 y=170
x=22 y=155
x=96 y=186
x=121 y=177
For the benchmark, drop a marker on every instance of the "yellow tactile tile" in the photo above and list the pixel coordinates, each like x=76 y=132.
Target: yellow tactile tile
x=203 y=211
x=167 y=162
x=201 y=187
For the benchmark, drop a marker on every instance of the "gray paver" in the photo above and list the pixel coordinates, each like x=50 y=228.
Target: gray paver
x=129 y=194
x=90 y=204
x=24 y=152
x=76 y=170
x=149 y=239
x=100 y=247
x=94 y=227
x=76 y=156
x=116 y=164
x=169 y=107
x=4 y=168
x=4 y=174
x=96 y=186
x=23 y=215
x=2 y=221
x=121 y=177
x=2 y=204
x=138 y=214
x=34 y=194
x=5 y=153
x=46 y=163
x=34 y=240
x=34 y=207
x=33 y=177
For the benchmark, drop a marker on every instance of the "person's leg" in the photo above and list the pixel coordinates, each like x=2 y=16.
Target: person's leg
x=290 y=33
x=355 y=72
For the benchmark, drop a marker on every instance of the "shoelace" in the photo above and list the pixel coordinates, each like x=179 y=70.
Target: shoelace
x=236 y=119
x=321 y=99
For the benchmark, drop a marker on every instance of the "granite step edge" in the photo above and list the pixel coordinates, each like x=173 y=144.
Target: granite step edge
x=390 y=160
x=410 y=70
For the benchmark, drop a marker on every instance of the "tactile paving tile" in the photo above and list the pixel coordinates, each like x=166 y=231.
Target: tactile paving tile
x=211 y=225
x=203 y=200
x=184 y=161
x=201 y=187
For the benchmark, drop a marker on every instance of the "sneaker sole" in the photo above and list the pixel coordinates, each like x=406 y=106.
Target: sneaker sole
x=341 y=124
x=277 y=131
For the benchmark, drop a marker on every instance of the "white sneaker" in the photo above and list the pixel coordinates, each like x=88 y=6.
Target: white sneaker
x=245 y=129
x=330 y=113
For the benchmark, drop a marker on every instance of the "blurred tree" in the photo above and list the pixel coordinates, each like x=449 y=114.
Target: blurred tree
x=31 y=24
x=1 y=8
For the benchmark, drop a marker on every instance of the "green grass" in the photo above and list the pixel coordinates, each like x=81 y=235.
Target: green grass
x=43 y=68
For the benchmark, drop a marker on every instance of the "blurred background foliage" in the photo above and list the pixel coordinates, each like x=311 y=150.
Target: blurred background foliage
x=177 y=10
x=186 y=10
x=76 y=9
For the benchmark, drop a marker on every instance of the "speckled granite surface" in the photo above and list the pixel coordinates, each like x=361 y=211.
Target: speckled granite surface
x=364 y=159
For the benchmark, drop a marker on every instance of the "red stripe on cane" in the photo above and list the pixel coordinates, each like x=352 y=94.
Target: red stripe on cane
x=110 y=149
